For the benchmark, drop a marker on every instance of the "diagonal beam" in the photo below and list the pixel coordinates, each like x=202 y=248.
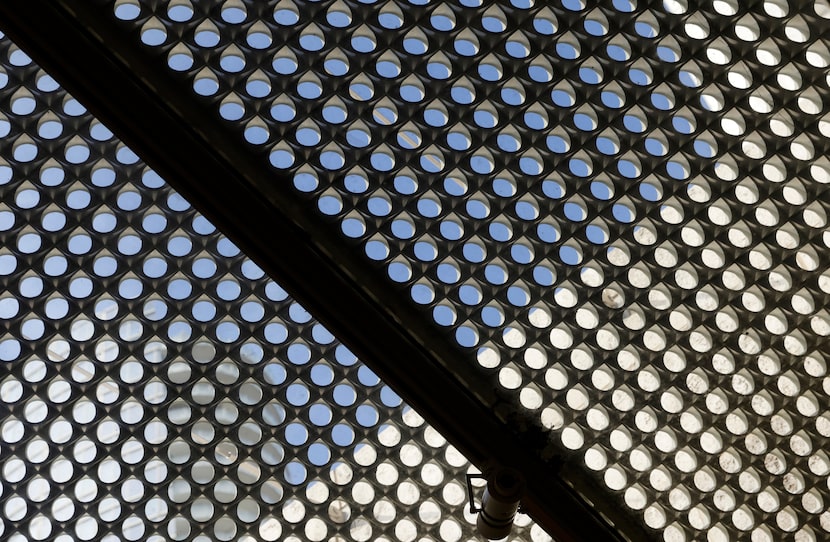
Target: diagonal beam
x=79 y=44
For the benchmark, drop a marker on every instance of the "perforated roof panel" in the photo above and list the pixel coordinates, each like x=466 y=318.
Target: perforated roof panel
x=614 y=212
x=157 y=386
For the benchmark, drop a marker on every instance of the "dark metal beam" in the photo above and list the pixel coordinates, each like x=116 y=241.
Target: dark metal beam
x=79 y=43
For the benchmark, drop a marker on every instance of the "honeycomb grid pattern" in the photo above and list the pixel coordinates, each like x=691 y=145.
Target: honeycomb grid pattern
x=619 y=209
x=155 y=385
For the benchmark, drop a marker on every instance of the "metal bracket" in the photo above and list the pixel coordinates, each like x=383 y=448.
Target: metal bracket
x=470 y=496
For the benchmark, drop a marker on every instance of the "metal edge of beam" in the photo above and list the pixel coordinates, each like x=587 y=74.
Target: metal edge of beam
x=105 y=68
